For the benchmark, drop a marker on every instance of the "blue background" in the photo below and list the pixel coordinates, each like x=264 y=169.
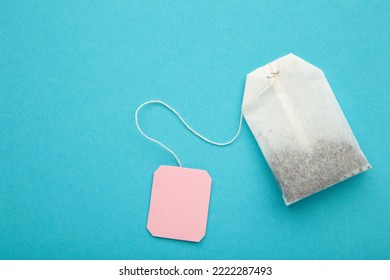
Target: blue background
x=75 y=175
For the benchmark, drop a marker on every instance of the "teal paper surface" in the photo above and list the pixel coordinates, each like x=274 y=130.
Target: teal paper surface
x=76 y=176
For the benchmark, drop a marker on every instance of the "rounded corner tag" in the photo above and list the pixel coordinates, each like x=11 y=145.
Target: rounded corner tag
x=179 y=203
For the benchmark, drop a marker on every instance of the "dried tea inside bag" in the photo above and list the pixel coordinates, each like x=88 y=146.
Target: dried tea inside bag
x=300 y=127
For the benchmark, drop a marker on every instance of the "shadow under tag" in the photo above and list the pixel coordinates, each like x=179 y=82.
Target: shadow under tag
x=179 y=203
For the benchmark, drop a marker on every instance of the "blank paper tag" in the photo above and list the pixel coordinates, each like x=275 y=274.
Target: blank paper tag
x=179 y=203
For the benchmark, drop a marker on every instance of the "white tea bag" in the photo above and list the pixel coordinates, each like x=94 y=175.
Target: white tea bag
x=300 y=127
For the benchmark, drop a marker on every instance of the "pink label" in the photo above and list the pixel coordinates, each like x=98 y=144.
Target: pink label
x=179 y=203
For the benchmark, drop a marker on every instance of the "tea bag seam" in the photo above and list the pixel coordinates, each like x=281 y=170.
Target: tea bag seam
x=248 y=108
x=284 y=100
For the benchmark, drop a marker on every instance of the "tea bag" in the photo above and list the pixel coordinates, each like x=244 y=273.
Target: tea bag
x=300 y=128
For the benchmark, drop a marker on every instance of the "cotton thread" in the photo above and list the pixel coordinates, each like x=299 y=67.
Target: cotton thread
x=187 y=126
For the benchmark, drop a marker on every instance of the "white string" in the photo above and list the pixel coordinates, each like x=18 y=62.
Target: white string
x=190 y=128
x=185 y=124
